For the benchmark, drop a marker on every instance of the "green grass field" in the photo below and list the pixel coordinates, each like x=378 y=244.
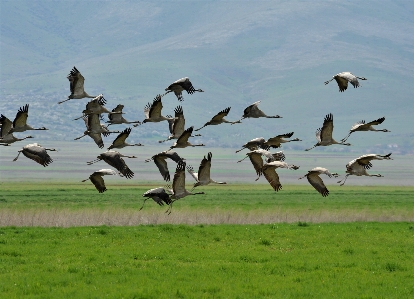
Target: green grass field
x=80 y=204
x=235 y=241
x=301 y=260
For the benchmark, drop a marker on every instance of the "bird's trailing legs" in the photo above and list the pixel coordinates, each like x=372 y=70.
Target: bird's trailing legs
x=64 y=101
x=239 y=121
x=345 y=139
x=143 y=203
x=308 y=149
x=93 y=161
x=15 y=159
x=80 y=137
x=343 y=180
x=168 y=211
x=242 y=159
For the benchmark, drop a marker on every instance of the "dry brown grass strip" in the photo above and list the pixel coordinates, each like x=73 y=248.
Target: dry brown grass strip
x=123 y=217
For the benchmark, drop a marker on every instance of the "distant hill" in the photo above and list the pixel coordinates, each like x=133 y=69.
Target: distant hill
x=238 y=52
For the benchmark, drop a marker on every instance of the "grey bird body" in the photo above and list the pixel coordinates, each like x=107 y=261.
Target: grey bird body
x=315 y=180
x=77 y=90
x=98 y=181
x=114 y=159
x=324 y=134
x=179 y=86
x=37 y=153
x=343 y=78
x=360 y=165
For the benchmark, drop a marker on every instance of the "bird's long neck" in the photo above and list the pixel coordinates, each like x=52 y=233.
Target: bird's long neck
x=201 y=127
x=379 y=130
x=86 y=95
x=20 y=139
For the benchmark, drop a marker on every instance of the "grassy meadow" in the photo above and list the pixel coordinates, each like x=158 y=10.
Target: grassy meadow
x=80 y=204
x=300 y=260
x=236 y=241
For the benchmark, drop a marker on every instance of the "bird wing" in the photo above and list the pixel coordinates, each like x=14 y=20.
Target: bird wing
x=114 y=159
x=161 y=163
x=317 y=183
x=120 y=139
x=274 y=142
x=97 y=137
x=96 y=105
x=156 y=107
x=76 y=82
x=158 y=195
x=178 y=126
x=99 y=182
x=21 y=116
x=204 y=168
x=170 y=121
x=147 y=109
x=179 y=111
x=38 y=154
x=272 y=177
x=94 y=122
x=118 y=108
x=187 y=85
x=249 y=109
x=179 y=179
x=219 y=116
x=365 y=160
x=86 y=120
x=279 y=156
x=255 y=143
x=190 y=169
x=327 y=128
x=376 y=122
x=6 y=125
x=265 y=153
x=342 y=82
x=173 y=156
x=287 y=135
x=185 y=135
x=357 y=125
x=351 y=78
x=257 y=162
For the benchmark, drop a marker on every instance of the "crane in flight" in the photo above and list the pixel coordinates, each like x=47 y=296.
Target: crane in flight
x=97 y=178
x=315 y=180
x=179 y=86
x=37 y=153
x=360 y=165
x=77 y=90
x=324 y=134
x=343 y=78
x=202 y=177
x=362 y=126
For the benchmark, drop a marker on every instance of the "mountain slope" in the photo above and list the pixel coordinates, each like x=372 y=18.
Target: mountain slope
x=238 y=52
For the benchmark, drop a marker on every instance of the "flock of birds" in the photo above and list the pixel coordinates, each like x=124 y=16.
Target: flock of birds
x=264 y=162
